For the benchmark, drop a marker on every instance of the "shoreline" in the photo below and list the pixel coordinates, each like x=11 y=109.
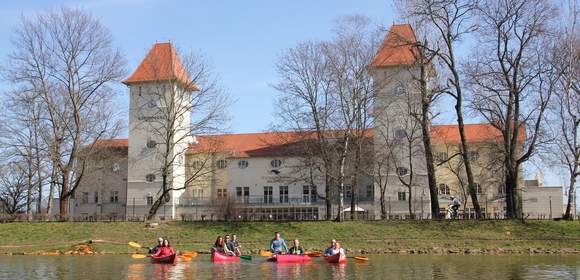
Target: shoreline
x=358 y=237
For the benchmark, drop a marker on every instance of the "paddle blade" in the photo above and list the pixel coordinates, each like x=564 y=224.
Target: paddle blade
x=246 y=257
x=266 y=254
x=184 y=259
x=361 y=258
x=190 y=254
x=134 y=244
x=138 y=256
x=314 y=254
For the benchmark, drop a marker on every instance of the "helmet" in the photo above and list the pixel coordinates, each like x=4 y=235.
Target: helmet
x=452 y=197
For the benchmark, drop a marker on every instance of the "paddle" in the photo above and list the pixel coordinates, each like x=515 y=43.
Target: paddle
x=246 y=257
x=266 y=254
x=135 y=245
x=184 y=259
x=360 y=258
x=191 y=254
x=314 y=254
x=138 y=256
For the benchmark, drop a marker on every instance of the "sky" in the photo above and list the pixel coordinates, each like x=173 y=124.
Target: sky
x=241 y=39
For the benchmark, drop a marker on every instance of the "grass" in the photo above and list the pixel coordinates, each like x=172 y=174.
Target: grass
x=112 y=237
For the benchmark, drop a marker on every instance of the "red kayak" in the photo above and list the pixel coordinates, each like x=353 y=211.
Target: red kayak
x=336 y=258
x=219 y=257
x=164 y=259
x=290 y=258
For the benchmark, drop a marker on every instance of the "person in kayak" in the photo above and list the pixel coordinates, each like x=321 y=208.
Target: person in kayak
x=329 y=250
x=278 y=245
x=164 y=250
x=297 y=249
x=234 y=245
x=339 y=250
x=228 y=246
x=154 y=250
x=220 y=247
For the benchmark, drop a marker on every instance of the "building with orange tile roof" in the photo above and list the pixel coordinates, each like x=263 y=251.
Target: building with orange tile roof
x=271 y=175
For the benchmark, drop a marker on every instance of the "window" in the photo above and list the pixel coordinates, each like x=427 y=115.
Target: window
x=444 y=189
x=197 y=164
x=283 y=194
x=402 y=196
x=268 y=194
x=441 y=157
x=84 y=197
x=473 y=155
x=114 y=196
x=140 y=93
x=222 y=193
x=400 y=134
x=222 y=163
x=370 y=191
x=243 y=194
x=309 y=194
x=198 y=193
x=116 y=168
x=151 y=144
x=96 y=197
x=276 y=163
x=149 y=200
x=478 y=188
x=242 y=164
x=402 y=171
x=150 y=178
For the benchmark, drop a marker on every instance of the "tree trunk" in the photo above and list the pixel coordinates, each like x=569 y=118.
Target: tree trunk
x=571 y=196
x=511 y=193
x=411 y=215
x=51 y=193
x=328 y=194
x=466 y=161
x=64 y=198
x=353 y=197
x=30 y=187
x=426 y=137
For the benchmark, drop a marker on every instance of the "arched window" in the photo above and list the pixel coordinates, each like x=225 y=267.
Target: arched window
x=402 y=171
x=275 y=163
x=150 y=178
x=197 y=164
x=444 y=189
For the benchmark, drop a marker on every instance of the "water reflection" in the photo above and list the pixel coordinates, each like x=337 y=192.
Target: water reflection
x=379 y=267
x=222 y=271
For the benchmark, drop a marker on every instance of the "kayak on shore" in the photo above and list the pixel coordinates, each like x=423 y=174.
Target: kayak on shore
x=219 y=257
x=164 y=259
x=336 y=258
x=290 y=258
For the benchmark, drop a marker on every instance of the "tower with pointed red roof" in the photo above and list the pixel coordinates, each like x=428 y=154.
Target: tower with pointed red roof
x=398 y=134
x=159 y=130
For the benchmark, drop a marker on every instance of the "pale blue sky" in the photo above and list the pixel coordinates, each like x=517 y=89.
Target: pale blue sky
x=242 y=39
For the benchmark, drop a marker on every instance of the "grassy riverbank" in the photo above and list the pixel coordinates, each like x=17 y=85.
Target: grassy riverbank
x=402 y=237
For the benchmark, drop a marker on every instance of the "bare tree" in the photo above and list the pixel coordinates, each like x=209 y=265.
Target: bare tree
x=178 y=110
x=566 y=108
x=511 y=81
x=66 y=59
x=448 y=22
x=305 y=105
x=351 y=86
x=13 y=187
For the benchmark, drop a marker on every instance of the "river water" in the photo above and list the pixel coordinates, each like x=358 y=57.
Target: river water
x=378 y=267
